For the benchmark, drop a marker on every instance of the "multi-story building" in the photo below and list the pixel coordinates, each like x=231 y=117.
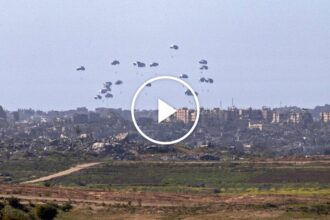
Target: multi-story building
x=252 y=114
x=209 y=116
x=267 y=114
x=295 y=118
x=104 y=112
x=82 y=110
x=16 y=116
x=79 y=118
x=94 y=117
x=258 y=126
x=231 y=114
x=302 y=117
x=3 y=114
x=280 y=117
x=183 y=115
x=193 y=116
x=25 y=114
x=325 y=117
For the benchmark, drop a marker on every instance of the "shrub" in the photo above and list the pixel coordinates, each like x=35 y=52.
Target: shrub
x=66 y=207
x=10 y=213
x=2 y=205
x=46 y=211
x=47 y=184
x=14 y=202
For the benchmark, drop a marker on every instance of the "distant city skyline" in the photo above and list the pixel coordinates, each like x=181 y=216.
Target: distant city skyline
x=155 y=109
x=259 y=52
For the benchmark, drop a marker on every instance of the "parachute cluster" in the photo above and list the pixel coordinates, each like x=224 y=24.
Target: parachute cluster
x=106 y=91
x=204 y=67
x=139 y=64
x=189 y=93
x=206 y=80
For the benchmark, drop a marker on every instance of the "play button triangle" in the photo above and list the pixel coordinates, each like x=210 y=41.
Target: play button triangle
x=164 y=110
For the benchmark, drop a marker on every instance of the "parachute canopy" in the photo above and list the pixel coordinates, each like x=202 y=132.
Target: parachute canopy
x=108 y=95
x=81 y=68
x=108 y=88
x=204 y=67
x=183 y=76
x=174 y=47
x=139 y=64
x=203 y=79
x=204 y=62
x=103 y=91
x=107 y=85
x=189 y=93
x=119 y=82
x=154 y=64
x=115 y=62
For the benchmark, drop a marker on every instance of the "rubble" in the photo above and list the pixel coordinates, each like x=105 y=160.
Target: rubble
x=109 y=133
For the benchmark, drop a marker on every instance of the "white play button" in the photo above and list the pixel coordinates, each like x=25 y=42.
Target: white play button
x=159 y=134
x=164 y=110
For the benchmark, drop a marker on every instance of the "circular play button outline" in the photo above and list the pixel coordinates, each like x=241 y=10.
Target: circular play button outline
x=157 y=78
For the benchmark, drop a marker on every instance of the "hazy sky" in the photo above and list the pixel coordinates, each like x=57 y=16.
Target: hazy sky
x=260 y=52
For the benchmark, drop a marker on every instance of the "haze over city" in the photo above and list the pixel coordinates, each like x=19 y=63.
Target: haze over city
x=259 y=52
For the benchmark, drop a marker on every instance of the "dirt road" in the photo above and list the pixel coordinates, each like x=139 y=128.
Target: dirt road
x=63 y=173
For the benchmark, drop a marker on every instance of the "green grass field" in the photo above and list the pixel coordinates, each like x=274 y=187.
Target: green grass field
x=212 y=177
x=22 y=169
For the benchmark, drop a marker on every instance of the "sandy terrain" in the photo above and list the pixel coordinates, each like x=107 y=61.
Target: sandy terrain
x=160 y=199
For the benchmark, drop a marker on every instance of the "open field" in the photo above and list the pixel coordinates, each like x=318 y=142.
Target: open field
x=207 y=177
x=21 y=169
x=281 y=176
x=259 y=189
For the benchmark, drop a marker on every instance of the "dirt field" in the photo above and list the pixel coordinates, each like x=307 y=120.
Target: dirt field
x=27 y=192
x=98 y=204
